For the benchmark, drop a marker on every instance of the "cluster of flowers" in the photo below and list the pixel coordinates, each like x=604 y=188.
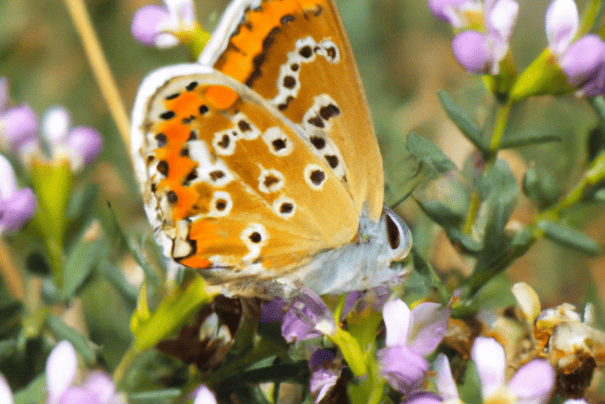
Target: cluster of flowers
x=413 y=335
x=485 y=28
x=22 y=137
x=67 y=384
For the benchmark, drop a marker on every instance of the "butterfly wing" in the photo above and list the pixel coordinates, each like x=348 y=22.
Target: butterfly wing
x=228 y=182
x=295 y=53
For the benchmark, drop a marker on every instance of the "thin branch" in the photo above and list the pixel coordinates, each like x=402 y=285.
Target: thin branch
x=100 y=68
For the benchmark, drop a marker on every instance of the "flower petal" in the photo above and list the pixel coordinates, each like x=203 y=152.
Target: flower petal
x=60 y=370
x=429 y=326
x=204 y=396
x=446 y=10
x=471 y=51
x=500 y=21
x=6 y=396
x=397 y=320
x=307 y=317
x=146 y=22
x=18 y=125
x=17 y=209
x=444 y=379
x=561 y=22
x=55 y=124
x=402 y=367
x=8 y=185
x=321 y=382
x=320 y=358
x=100 y=385
x=527 y=299
x=422 y=397
x=489 y=357
x=533 y=382
x=272 y=312
x=84 y=144
x=581 y=60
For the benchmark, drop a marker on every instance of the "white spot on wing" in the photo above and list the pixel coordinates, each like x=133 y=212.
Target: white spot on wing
x=277 y=142
x=270 y=181
x=224 y=142
x=253 y=247
x=224 y=198
x=286 y=203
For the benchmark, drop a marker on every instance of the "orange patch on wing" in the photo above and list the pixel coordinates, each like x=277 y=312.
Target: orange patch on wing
x=221 y=97
x=196 y=261
x=257 y=26
x=185 y=105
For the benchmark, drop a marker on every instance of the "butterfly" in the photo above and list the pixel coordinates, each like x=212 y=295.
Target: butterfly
x=259 y=166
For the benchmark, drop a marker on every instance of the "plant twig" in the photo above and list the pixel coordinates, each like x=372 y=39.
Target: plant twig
x=100 y=68
x=10 y=273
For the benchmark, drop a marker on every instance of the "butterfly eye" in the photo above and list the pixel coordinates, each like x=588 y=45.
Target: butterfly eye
x=398 y=235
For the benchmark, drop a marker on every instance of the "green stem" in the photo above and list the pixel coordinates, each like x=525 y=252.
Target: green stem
x=531 y=233
x=126 y=362
x=472 y=211
x=501 y=119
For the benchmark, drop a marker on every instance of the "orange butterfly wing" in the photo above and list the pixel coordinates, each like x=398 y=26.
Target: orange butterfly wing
x=229 y=183
x=295 y=53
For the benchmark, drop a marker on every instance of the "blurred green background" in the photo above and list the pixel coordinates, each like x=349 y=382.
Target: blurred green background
x=404 y=58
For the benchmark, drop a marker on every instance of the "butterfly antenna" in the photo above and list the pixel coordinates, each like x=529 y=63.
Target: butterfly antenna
x=100 y=67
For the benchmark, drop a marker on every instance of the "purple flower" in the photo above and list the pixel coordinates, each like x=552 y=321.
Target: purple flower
x=455 y=12
x=16 y=206
x=323 y=375
x=81 y=144
x=61 y=368
x=582 y=60
x=18 y=125
x=532 y=384
x=410 y=335
x=6 y=396
x=204 y=396
x=423 y=397
x=160 y=26
x=272 y=312
x=481 y=52
x=308 y=317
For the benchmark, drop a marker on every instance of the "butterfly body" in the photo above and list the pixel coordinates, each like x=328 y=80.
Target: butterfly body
x=259 y=166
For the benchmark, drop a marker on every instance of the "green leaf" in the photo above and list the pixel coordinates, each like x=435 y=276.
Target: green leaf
x=463 y=121
x=598 y=104
x=428 y=153
x=136 y=253
x=500 y=192
x=351 y=351
x=569 y=237
x=116 y=277
x=173 y=311
x=7 y=348
x=80 y=201
x=81 y=260
x=155 y=397
x=514 y=142
x=541 y=187
x=64 y=332
x=440 y=213
x=431 y=279
x=35 y=392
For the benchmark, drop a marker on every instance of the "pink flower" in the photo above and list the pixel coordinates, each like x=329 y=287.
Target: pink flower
x=16 y=206
x=481 y=53
x=410 y=336
x=18 y=125
x=80 y=144
x=582 y=60
x=159 y=26
x=61 y=368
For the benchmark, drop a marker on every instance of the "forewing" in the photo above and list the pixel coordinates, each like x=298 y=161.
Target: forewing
x=295 y=53
x=227 y=181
